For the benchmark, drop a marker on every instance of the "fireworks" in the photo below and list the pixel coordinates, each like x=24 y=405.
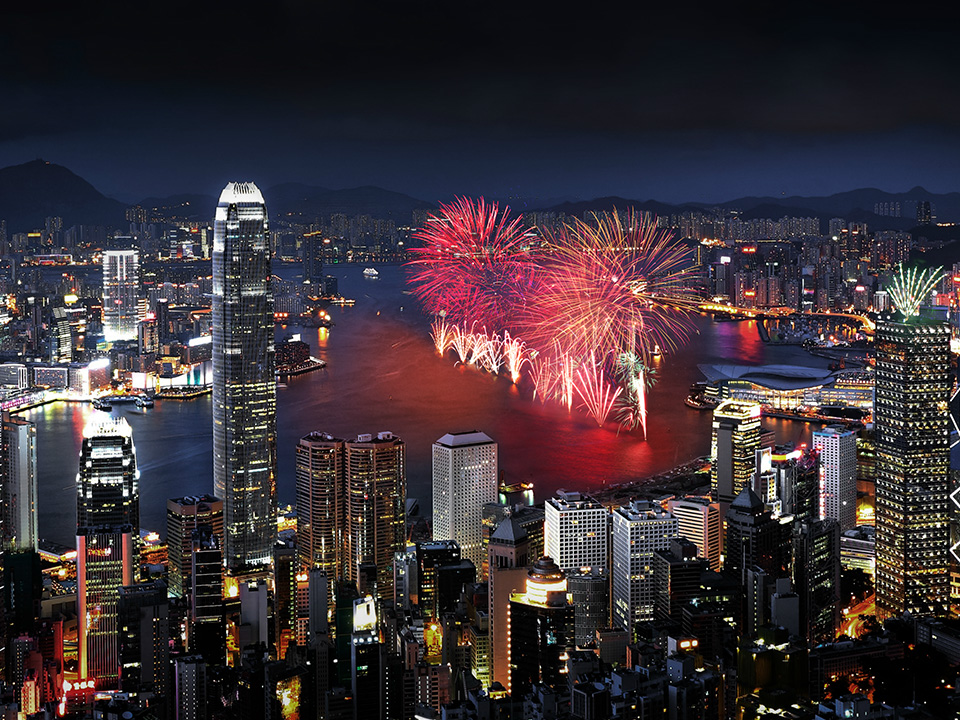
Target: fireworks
x=910 y=289
x=583 y=311
x=474 y=266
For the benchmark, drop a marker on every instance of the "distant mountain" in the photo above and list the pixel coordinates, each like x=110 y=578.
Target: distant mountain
x=185 y=206
x=608 y=203
x=307 y=203
x=39 y=189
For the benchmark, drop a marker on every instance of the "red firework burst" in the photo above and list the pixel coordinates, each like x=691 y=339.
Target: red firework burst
x=475 y=265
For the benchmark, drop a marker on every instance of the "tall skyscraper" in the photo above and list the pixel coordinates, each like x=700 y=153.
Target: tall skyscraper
x=104 y=564
x=320 y=502
x=639 y=530
x=144 y=637
x=837 y=448
x=375 y=509
x=913 y=460
x=698 y=520
x=244 y=379
x=816 y=578
x=464 y=479
x=576 y=531
x=184 y=515
x=108 y=483
x=19 y=483
x=121 y=291
x=736 y=439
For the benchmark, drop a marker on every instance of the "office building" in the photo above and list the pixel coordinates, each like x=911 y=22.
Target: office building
x=206 y=627
x=735 y=441
x=912 y=459
x=61 y=338
x=676 y=578
x=698 y=520
x=375 y=508
x=639 y=530
x=184 y=515
x=797 y=482
x=465 y=477
x=108 y=483
x=190 y=688
x=366 y=660
x=320 y=502
x=19 y=483
x=121 y=291
x=105 y=563
x=590 y=593
x=816 y=578
x=837 y=478
x=755 y=539
x=144 y=638
x=540 y=625
x=575 y=531
x=244 y=379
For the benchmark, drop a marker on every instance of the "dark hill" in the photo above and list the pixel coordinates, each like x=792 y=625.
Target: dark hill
x=39 y=189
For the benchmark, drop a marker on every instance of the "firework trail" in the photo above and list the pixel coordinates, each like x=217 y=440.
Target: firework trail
x=461 y=343
x=475 y=265
x=514 y=355
x=442 y=334
x=597 y=394
x=636 y=379
x=909 y=289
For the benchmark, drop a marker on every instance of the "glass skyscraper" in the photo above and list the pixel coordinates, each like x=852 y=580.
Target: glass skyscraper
x=244 y=379
x=121 y=290
x=913 y=461
x=108 y=481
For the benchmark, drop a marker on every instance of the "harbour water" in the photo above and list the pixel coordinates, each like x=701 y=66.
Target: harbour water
x=383 y=373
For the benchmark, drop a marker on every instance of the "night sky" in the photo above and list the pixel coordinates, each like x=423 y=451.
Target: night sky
x=703 y=103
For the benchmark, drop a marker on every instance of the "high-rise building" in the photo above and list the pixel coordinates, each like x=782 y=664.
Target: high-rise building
x=639 y=530
x=755 y=539
x=676 y=576
x=590 y=592
x=464 y=479
x=108 y=483
x=736 y=439
x=837 y=448
x=816 y=578
x=320 y=502
x=104 y=564
x=244 y=379
x=698 y=520
x=190 y=688
x=61 y=338
x=206 y=629
x=184 y=515
x=144 y=638
x=540 y=624
x=19 y=483
x=121 y=290
x=912 y=459
x=576 y=531
x=375 y=509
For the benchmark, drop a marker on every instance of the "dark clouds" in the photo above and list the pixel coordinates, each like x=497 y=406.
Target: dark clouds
x=688 y=101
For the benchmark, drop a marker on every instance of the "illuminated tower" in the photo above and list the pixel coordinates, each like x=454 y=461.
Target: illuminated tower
x=736 y=439
x=837 y=448
x=184 y=515
x=19 y=483
x=464 y=479
x=121 y=290
x=320 y=502
x=108 y=482
x=541 y=624
x=575 y=531
x=374 y=513
x=913 y=460
x=244 y=380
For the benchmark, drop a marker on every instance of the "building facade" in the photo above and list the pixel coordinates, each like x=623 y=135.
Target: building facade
x=735 y=441
x=19 y=483
x=576 y=531
x=320 y=502
x=913 y=460
x=465 y=477
x=108 y=481
x=244 y=380
x=837 y=450
x=121 y=293
x=184 y=515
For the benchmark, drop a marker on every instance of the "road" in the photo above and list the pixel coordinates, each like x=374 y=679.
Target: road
x=852 y=622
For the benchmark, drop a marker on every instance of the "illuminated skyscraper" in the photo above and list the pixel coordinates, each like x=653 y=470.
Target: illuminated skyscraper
x=108 y=482
x=244 y=379
x=913 y=460
x=184 y=515
x=576 y=531
x=374 y=513
x=320 y=502
x=736 y=439
x=464 y=479
x=121 y=290
x=19 y=483
x=837 y=449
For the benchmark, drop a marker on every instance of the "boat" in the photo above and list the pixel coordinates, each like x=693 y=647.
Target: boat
x=370 y=273
x=101 y=404
x=144 y=402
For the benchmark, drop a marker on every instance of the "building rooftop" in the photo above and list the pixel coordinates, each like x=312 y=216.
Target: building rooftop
x=241 y=192
x=462 y=439
x=772 y=377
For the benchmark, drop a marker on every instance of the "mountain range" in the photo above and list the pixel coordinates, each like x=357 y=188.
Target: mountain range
x=38 y=189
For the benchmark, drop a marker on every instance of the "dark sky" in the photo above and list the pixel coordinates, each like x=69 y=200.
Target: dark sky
x=692 y=102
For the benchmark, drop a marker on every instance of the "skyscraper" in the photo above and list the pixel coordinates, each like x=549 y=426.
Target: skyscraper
x=19 y=483
x=244 y=380
x=375 y=509
x=184 y=515
x=121 y=290
x=736 y=439
x=576 y=531
x=837 y=448
x=464 y=479
x=698 y=520
x=913 y=460
x=639 y=530
x=320 y=502
x=108 y=483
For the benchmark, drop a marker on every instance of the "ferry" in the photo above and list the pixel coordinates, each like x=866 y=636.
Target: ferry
x=144 y=402
x=371 y=273
x=102 y=404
